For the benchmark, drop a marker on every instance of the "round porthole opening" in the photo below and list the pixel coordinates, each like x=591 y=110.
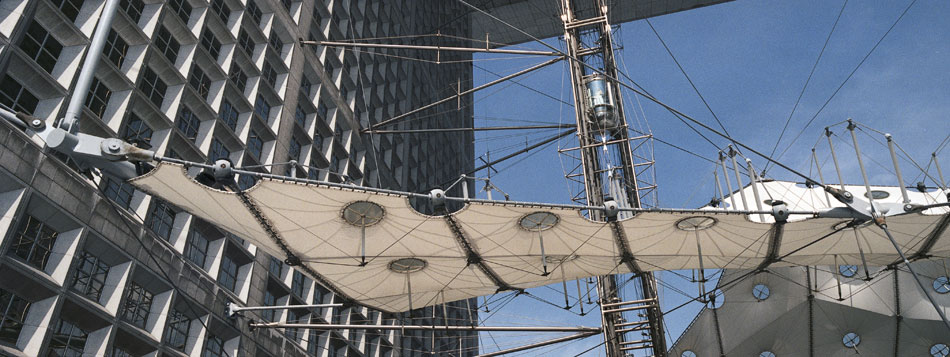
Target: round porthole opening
x=696 y=223
x=940 y=350
x=714 y=299
x=688 y=353
x=538 y=221
x=766 y=354
x=558 y=259
x=878 y=194
x=761 y=292
x=851 y=340
x=407 y=265
x=363 y=213
x=848 y=271
x=942 y=284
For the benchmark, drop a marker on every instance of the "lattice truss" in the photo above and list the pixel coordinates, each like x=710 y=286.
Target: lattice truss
x=409 y=260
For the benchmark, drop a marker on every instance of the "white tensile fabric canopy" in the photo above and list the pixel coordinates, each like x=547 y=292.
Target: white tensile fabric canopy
x=413 y=260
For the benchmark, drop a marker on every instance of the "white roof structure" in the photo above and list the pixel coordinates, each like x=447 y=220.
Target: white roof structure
x=414 y=260
x=797 y=311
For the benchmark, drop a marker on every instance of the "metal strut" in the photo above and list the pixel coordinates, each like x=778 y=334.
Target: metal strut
x=608 y=164
x=473 y=257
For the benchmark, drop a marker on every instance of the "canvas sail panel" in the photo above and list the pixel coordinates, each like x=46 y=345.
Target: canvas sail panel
x=671 y=241
x=225 y=209
x=410 y=260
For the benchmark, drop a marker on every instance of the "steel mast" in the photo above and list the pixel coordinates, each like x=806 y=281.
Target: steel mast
x=609 y=171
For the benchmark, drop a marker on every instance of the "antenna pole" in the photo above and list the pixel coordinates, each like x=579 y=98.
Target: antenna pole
x=608 y=165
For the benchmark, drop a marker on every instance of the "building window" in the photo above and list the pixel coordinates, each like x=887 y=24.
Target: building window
x=138 y=302
x=119 y=352
x=228 y=114
x=300 y=117
x=322 y=111
x=218 y=151
x=339 y=315
x=137 y=132
x=254 y=12
x=269 y=300
x=227 y=275
x=210 y=43
x=67 y=340
x=14 y=96
x=182 y=8
x=298 y=284
x=305 y=87
x=222 y=9
x=40 y=46
x=275 y=42
x=312 y=171
x=197 y=249
x=167 y=44
x=153 y=87
x=942 y=284
x=13 y=309
x=133 y=8
x=237 y=76
x=261 y=107
x=161 y=219
x=34 y=242
x=176 y=335
x=328 y=67
x=199 y=81
x=90 y=275
x=214 y=347
x=294 y=150
x=269 y=74
x=188 y=123
x=245 y=41
x=293 y=334
x=117 y=191
x=116 y=48
x=275 y=266
x=246 y=181
x=335 y=164
x=98 y=97
x=255 y=145
x=70 y=8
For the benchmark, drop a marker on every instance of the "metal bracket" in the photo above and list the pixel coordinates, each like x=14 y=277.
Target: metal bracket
x=611 y=209
x=779 y=211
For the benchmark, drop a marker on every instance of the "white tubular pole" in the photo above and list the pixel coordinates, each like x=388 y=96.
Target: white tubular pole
x=834 y=158
x=864 y=173
x=943 y=183
x=897 y=168
x=722 y=198
x=820 y=176
x=753 y=180
x=88 y=72
x=725 y=174
x=735 y=168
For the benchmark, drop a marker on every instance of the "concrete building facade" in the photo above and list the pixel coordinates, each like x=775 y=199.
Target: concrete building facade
x=92 y=266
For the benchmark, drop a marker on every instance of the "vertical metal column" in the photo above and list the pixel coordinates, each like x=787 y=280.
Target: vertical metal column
x=606 y=155
x=88 y=70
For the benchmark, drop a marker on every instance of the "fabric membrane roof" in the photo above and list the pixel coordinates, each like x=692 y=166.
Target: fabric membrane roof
x=414 y=260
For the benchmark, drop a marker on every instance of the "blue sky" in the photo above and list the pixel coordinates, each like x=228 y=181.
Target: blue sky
x=750 y=60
